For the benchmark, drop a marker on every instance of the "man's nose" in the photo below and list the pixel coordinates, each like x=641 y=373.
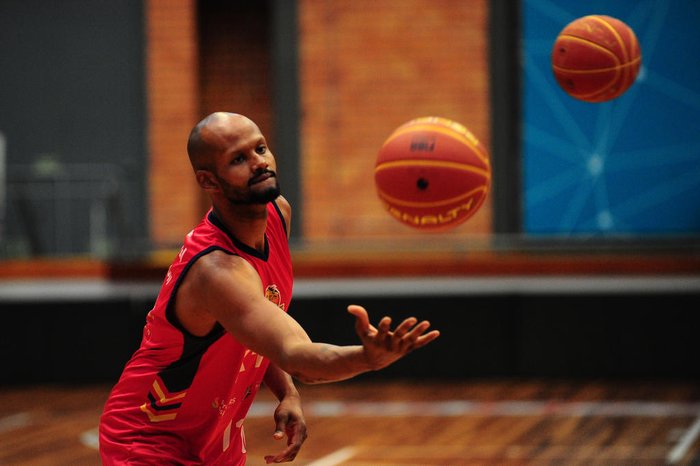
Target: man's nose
x=260 y=161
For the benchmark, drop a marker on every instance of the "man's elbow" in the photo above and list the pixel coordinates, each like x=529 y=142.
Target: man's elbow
x=299 y=362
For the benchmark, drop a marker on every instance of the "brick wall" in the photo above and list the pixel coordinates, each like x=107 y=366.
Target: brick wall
x=198 y=63
x=173 y=104
x=235 y=61
x=366 y=67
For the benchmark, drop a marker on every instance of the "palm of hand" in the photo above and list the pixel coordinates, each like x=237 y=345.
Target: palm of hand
x=384 y=346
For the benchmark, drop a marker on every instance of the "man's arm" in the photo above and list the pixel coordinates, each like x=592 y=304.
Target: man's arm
x=229 y=289
x=280 y=383
x=289 y=416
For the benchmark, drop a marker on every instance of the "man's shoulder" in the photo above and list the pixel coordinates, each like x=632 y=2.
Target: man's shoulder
x=218 y=260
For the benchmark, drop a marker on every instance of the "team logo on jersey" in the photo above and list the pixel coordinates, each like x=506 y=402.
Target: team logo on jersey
x=272 y=293
x=222 y=405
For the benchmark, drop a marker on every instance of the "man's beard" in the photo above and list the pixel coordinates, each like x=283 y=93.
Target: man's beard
x=250 y=196
x=263 y=197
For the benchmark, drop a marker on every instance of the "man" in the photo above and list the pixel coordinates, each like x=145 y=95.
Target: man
x=219 y=327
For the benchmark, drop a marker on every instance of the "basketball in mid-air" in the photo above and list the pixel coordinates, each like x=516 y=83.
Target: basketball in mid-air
x=596 y=58
x=432 y=173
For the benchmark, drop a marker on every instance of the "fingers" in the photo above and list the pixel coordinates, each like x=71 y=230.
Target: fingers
x=296 y=438
x=417 y=337
x=288 y=454
x=411 y=337
x=427 y=338
x=361 y=319
x=407 y=336
x=281 y=421
x=405 y=326
x=398 y=339
x=362 y=325
x=384 y=324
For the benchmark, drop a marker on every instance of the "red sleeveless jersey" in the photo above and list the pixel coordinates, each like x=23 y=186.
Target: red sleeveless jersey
x=182 y=399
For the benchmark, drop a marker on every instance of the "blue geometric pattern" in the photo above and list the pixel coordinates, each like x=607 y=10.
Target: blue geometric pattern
x=630 y=166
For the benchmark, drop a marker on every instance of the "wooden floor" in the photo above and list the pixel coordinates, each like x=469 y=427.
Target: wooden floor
x=409 y=424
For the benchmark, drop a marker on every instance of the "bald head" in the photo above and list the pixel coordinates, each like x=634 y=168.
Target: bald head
x=211 y=136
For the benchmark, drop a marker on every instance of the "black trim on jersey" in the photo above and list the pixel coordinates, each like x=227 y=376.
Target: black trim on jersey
x=284 y=222
x=179 y=374
x=170 y=307
x=154 y=404
x=214 y=219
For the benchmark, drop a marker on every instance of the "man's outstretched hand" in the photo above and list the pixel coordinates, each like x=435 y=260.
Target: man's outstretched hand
x=384 y=346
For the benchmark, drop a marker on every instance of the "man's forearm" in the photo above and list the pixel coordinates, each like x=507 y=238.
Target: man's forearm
x=279 y=382
x=314 y=363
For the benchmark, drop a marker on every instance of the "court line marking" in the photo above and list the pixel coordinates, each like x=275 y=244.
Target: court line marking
x=337 y=457
x=15 y=421
x=91 y=438
x=512 y=452
x=455 y=408
x=684 y=444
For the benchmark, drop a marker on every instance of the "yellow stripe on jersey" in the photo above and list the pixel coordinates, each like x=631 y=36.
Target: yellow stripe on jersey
x=161 y=394
x=157 y=417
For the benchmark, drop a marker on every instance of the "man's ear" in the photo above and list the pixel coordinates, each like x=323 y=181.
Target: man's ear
x=206 y=180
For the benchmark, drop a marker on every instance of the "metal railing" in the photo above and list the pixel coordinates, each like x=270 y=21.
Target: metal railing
x=56 y=209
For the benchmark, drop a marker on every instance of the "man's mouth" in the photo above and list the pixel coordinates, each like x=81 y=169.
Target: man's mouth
x=261 y=177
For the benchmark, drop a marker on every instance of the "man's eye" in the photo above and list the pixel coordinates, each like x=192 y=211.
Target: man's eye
x=261 y=149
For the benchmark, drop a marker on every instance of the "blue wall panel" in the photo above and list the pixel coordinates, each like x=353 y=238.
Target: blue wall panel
x=630 y=166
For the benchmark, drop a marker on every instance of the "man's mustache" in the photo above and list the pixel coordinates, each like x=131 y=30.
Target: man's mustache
x=260 y=175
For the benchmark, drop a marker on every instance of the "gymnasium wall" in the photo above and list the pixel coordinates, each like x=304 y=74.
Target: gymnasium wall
x=622 y=170
x=72 y=112
x=199 y=64
x=366 y=68
x=173 y=102
x=622 y=312
x=363 y=69
x=360 y=75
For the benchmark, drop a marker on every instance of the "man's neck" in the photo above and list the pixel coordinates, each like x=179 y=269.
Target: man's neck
x=246 y=222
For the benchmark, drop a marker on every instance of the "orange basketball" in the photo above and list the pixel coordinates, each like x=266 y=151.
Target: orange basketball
x=432 y=173
x=596 y=58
